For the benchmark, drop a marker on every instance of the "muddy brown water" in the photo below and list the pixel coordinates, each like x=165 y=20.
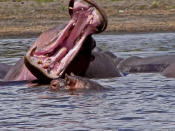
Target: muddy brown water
x=135 y=102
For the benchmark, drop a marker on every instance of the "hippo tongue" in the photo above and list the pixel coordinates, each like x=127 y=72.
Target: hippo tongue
x=49 y=60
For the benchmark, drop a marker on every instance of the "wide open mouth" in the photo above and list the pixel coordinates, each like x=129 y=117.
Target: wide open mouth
x=49 y=59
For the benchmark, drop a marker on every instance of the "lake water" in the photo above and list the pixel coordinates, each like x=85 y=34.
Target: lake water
x=136 y=102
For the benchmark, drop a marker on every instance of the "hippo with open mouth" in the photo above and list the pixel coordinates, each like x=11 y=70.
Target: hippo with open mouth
x=57 y=51
x=66 y=49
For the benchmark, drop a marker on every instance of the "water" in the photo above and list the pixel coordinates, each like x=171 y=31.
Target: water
x=136 y=102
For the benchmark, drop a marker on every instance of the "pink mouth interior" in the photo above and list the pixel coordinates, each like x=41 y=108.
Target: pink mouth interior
x=54 y=58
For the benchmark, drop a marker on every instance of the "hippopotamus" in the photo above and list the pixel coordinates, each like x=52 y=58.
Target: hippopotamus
x=72 y=82
x=4 y=68
x=153 y=64
x=169 y=71
x=68 y=48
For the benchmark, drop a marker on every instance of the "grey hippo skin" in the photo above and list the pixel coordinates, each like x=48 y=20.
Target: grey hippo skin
x=66 y=49
x=169 y=71
x=72 y=82
x=59 y=52
x=103 y=65
x=19 y=72
x=151 y=64
x=4 y=68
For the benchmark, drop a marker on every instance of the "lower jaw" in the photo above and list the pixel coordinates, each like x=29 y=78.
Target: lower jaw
x=42 y=74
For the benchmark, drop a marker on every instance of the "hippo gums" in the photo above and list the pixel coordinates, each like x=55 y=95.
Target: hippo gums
x=56 y=50
x=63 y=49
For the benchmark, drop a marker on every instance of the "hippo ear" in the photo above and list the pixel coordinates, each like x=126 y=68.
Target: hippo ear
x=67 y=78
x=71 y=6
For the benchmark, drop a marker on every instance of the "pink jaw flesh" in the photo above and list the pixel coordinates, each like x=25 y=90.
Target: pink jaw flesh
x=54 y=59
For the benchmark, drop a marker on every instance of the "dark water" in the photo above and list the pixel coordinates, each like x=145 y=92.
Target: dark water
x=135 y=102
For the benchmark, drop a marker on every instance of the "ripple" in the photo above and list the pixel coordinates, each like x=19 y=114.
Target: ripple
x=130 y=118
x=127 y=130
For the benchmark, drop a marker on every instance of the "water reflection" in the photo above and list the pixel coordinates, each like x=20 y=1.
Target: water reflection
x=13 y=49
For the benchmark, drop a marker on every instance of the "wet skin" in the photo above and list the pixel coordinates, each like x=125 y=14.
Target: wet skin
x=103 y=65
x=58 y=52
x=4 y=68
x=169 y=71
x=19 y=72
x=63 y=49
x=151 y=64
x=73 y=82
x=69 y=48
x=156 y=64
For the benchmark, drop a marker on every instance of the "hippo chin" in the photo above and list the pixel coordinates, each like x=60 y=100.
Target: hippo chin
x=55 y=50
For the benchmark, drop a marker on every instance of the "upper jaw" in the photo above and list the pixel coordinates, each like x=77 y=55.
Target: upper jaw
x=49 y=60
x=101 y=12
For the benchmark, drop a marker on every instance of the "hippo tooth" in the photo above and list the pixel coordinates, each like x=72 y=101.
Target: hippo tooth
x=90 y=16
x=73 y=24
x=91 y=21
x=68 y=81
x=82 y=8
x=61 y=53
x=96 y=29
x=70 y=8
x=77 y=40
x=40 y=62
x=72 y=74
x=45 y=66
x=82 y=31
x=58 y=72
x=62 y=50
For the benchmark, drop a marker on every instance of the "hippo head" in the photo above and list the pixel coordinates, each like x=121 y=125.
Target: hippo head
x=55 y=50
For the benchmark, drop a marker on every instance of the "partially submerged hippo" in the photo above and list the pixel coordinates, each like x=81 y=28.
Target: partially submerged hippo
x=169 y=71
x=72 y=82
x=64 y=49
x=4 y=68
x=153 y=64
x=57 y=52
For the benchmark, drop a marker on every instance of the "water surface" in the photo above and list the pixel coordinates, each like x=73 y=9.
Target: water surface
x=132 y=103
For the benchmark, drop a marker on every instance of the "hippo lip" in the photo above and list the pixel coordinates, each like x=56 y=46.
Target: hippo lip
x=51 y=61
